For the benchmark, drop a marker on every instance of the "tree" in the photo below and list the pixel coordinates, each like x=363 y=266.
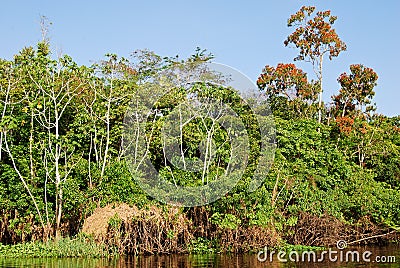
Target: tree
x=113 y=92
x=357 y=91
x=315 y=38
x=59 y=82
x=12 y=97
x=289 y=82
x=41 y=152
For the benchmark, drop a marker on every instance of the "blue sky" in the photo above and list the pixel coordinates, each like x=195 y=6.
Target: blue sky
x=246 y=35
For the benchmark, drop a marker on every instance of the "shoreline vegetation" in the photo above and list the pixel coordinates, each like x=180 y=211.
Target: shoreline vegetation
x=67 y=188
x=122 y=230
x=117 y=242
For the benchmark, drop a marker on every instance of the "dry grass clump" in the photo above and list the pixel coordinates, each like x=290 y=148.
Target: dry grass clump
x=156 y=230
x=148 y=230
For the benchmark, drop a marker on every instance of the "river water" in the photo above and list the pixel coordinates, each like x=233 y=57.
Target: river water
x=388 y=256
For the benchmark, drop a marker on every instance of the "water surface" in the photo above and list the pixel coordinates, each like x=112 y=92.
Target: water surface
x=391 y=254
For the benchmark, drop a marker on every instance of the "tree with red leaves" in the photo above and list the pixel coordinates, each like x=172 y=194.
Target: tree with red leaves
x=356 y=92
x=287 y=81
x=315 y=38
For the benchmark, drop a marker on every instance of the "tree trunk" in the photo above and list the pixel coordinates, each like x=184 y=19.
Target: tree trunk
x=321 y=90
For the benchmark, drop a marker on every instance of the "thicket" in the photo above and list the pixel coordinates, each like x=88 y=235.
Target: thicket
x=336 y=172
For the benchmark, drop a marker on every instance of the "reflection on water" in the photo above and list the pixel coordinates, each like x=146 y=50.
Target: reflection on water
x=198 y=261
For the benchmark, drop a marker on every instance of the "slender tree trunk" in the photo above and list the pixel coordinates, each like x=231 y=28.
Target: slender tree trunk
x=90 y=162
x=321 y=90
x=59 y=210
x=23 y=181
x=344 y=110
x=31 y=148
x=181 y=138
x=108 y=131
x=3 y=115
x=58 y=175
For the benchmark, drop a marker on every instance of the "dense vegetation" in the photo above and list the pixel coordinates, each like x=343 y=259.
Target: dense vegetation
x=336 y=172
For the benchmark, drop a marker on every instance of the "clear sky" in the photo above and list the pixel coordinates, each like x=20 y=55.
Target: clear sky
x=246 y=35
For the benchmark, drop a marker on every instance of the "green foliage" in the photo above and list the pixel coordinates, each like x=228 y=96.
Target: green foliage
x=298 y=248
x=61 y=152
x=202 y=246
x=65 y=247
x=227 y=221
x=114 y=223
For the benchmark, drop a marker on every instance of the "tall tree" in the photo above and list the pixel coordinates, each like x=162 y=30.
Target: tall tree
x=58 y=82
x=357 y=90
x=105 y=102
x=289 y=82
x=315 y=38
x=13 y=97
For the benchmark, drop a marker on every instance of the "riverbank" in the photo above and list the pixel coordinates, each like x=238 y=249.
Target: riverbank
x=120 y=229
x=155 y=230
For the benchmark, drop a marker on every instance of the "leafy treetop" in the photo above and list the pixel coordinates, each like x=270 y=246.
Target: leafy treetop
x=285 y=80
x=314 y=36
x=357 y=90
